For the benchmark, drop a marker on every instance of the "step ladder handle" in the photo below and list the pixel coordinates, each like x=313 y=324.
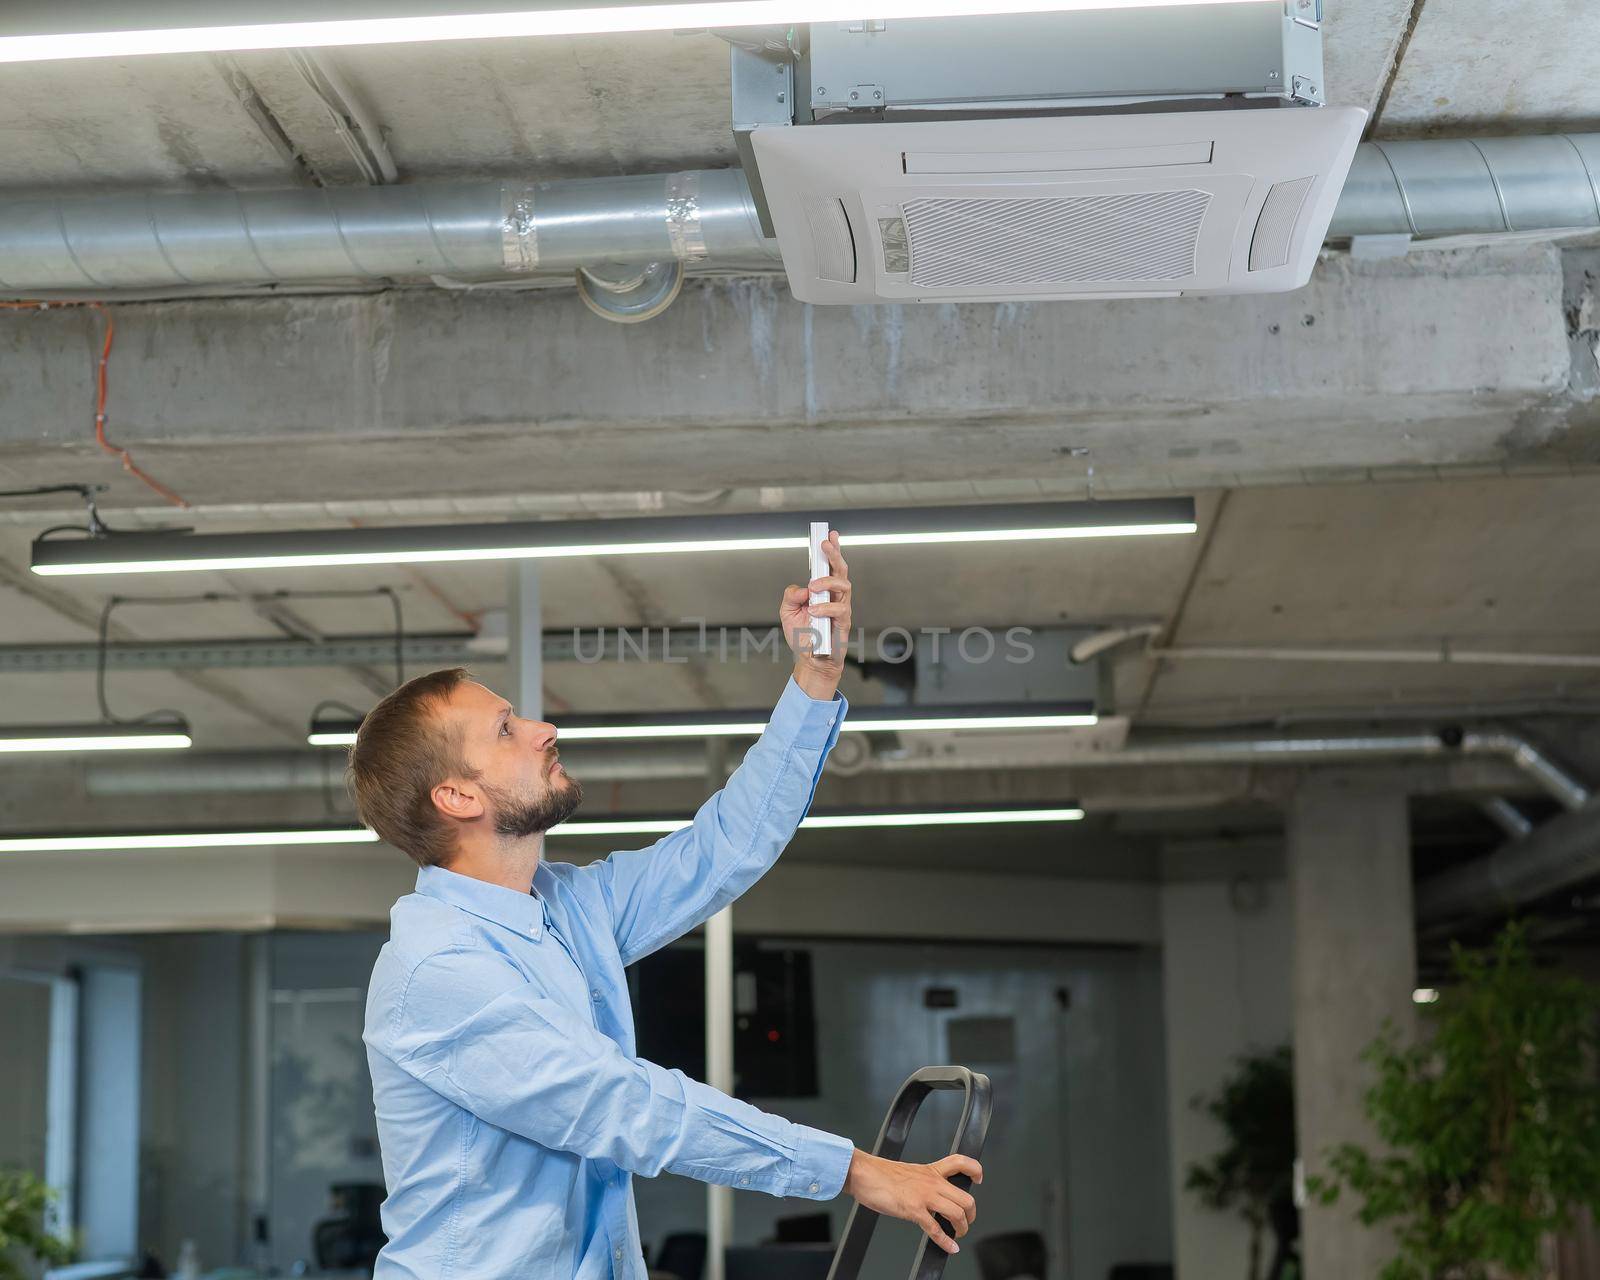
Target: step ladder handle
x=971 y=1130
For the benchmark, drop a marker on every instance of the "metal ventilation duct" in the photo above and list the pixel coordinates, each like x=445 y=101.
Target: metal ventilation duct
x=471 y=232
x=513 y=231
x=1471 y=186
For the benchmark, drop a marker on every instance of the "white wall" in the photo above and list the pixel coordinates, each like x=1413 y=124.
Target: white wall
x=108 y=1112
x=25 y=1069
x=195 y=1096
x=1226 y=983
x=322 y=1125
x=103 y=1134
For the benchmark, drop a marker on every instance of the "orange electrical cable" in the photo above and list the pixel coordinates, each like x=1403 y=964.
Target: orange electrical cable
x=128 y=463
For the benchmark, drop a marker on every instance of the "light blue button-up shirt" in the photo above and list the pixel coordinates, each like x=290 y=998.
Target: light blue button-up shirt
x=512 y=1110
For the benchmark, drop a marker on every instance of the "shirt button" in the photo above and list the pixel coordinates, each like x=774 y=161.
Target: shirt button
x=596 y=993
x=815 y=1187
x=617 y=1253
x=744 y=1180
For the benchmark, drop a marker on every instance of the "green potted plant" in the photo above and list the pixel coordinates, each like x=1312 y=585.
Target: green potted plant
x=1254 y=1174
x=25 y=1237
x=1491 y=1121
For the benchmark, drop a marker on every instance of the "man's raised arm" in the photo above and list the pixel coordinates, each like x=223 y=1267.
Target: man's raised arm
x=659 y=893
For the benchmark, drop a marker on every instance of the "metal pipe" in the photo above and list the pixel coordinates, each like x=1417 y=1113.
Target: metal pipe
x=1342 y=748
x=1562 y=852
x=1290 y=749
x=1444 y=653
x=684 y=758
x=1567 y=790
x=500 y=230
x=1471 y=186
x=271 y=771
x=1507 y=817
x=483 y=230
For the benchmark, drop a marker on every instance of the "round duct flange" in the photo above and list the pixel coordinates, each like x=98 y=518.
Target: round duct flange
x=628 y=294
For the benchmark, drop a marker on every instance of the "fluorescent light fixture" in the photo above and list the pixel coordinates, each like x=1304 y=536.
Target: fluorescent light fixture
x=645 y=535
x=162 y=736
x=599 y=827
x=838 y=821
x=442 y=22
x=854 y=723
x=637 y=726
x=331 y=738
x=1425 y=995
x=186 y=840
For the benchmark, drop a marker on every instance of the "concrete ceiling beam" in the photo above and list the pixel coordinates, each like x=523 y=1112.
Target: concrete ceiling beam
x=1391 y=366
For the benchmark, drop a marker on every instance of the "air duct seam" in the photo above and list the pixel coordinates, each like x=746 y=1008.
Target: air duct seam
x=519 y=229
x=684 y=230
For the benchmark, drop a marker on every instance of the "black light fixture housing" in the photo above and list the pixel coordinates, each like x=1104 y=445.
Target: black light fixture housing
x=991 y=717
x=645 y=535
x=144 y=735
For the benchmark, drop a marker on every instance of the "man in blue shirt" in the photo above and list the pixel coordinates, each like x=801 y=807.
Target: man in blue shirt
x=512 y=1109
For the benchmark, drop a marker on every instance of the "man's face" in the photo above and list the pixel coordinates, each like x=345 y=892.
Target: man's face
x=525 y=789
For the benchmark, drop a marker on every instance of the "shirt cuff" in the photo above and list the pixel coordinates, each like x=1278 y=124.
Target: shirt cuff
x=806 y=721
x=821 y=1161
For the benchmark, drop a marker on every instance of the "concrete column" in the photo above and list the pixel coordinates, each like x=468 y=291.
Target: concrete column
x=1225 y=979
x=1354 y=968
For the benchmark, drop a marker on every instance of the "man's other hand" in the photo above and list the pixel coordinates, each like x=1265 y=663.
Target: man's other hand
x=915 y=1192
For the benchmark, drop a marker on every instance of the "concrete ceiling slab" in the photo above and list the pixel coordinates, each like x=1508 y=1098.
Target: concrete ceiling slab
x=598 y=105
x=1487 y=564
x=1475 y=66
x=161 y=123
x=1360 y=41
x=1443 y=560
x=575 y=107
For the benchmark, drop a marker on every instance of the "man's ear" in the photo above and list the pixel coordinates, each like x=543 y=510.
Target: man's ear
x=456 y=798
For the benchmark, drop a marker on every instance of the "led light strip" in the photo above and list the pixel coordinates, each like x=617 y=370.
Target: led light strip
x=186 y=840
x=933 y=818
x=753 y=728
x=332 y=559
x=645 y=535
x=525 y=22
x=641 y=826
x=98 y=742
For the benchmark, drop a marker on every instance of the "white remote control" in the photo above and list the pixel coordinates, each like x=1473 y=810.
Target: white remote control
x=823 y=644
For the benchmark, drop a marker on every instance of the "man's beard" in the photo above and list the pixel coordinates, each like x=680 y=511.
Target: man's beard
x=517 y=817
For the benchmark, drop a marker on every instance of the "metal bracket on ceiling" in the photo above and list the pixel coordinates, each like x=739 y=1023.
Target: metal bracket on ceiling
x=762 y=80
x=1304 y=90
x=866 y=97
x=1375 y=248
x=1308 y=13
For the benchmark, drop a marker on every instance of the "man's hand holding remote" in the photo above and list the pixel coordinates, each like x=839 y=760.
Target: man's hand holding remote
x=818 y=674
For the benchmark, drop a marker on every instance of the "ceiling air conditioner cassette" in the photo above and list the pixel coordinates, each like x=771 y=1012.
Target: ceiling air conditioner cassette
x=1153 y=203
x=1103 y=150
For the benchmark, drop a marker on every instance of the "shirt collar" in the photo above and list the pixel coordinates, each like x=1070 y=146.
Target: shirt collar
x=521 y=912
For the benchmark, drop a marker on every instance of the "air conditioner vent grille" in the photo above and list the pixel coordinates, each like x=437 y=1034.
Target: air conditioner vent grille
x=1148 y=235
x=1269 y=247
